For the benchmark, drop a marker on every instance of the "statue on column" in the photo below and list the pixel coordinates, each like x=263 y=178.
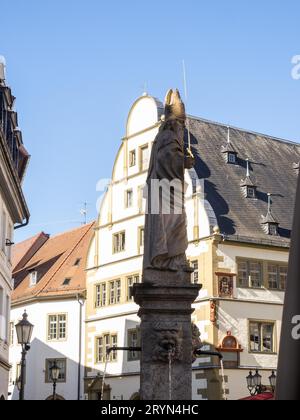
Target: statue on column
x=166 y=239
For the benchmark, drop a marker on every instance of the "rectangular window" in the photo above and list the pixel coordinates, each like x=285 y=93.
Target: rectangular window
x=261 y=337
x=114 y=292
x=100 y=295
x=3 y=231
x=243 y=279
x=119 y=242
x=132 y=158
x=251 y=192
x=195 y=275
x=114 y=343
x=103 y=344
x=129 y=198
x=57 y=327
x=10 y=238
x=106 y=344
x=141 y=234
x=33 y=278
x=62 y=364
x=255 y=271
x=144 y=158
x=99 y=350
x=231 y=158
x=11 y=333
x=277 y=276
x=7 y=318
x=133 y=341
x=131 y=280
x=250 y=274
x=141 y=199
x=283 y=272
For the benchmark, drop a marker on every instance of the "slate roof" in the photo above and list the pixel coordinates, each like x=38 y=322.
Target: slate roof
x=54 y=262
x=272 y=170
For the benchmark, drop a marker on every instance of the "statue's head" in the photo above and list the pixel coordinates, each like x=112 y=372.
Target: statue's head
x=174 y=107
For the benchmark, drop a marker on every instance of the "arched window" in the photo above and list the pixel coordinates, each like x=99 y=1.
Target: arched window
x=230 y=349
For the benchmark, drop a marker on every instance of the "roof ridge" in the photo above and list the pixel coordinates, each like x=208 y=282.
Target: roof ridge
x=256 y=133
x=57 y=235
x=89 y=226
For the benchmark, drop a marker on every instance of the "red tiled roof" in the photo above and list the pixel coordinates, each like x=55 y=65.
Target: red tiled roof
x=54 y=262
x=23 y=251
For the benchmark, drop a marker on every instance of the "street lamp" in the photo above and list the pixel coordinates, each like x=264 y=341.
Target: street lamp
x=250 y=383
x=54 y=374
x=273 y=381
x=24 y=332
x=254 y=383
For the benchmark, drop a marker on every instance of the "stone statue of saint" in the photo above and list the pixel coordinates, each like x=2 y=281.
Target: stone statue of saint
x=166 y=239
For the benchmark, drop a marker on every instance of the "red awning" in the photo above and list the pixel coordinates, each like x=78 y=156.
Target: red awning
x=260 y=397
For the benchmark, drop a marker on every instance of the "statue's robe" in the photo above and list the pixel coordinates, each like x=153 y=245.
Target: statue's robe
x=166 y=234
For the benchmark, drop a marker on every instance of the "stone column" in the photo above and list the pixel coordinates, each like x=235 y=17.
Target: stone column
x=165 y=300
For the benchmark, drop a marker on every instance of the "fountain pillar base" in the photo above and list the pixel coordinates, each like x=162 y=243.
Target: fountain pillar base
x=165 y=300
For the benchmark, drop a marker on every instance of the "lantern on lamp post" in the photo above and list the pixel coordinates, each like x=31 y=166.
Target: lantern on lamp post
x=24 y=332
x=54 y=375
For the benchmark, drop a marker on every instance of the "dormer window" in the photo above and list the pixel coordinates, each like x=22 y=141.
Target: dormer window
x=229 y=152
x=232 y=158
x=251 y=192
x=33 y=278
x=248 y=186
x=269 y=223
x=273 y=229
x=67 y=282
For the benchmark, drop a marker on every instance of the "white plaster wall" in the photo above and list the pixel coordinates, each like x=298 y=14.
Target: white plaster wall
x=6 y=232
x=235 y=316
x=42 y=349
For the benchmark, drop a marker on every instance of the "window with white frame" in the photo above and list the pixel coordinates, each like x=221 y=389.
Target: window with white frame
x=11 y=333
x=133 y=341
x=144 y=158
x=141 y=233
x=100 y=295
x=103 y=344
x=115 y=292
x=261 y=337
x=277 y=276
x=195 y=274
x=57 y=327
x=119 y=240
x=231 y=157
x=250 y=274
x=33 y=278
x=129 y=198
x=131 y=280
x=132 y=158
x=3 y=231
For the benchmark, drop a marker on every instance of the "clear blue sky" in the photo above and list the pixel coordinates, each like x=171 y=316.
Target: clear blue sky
x=77 y=66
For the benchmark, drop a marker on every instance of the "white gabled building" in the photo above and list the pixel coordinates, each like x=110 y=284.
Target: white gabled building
x=13 y=212
x=238 y=244
x=49 y=277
